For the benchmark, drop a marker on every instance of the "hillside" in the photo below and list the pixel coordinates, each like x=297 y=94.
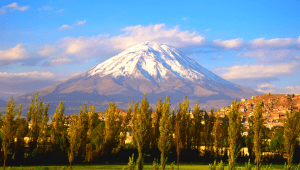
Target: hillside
x=274 y=108
x=2 y=102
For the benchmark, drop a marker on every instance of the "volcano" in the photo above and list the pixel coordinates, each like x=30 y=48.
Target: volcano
x=148 y=68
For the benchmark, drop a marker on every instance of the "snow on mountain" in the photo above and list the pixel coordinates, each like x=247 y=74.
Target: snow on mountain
x=155 y=62
x=147 y=68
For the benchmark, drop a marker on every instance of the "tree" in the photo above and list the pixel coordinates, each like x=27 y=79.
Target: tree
x=165 y=136
x=217 y=129
x=112 y=129
x=258 y=132
x=291 y=132
x=8 y=129
x=75 y=129
x=156 y=123
x=142 y=126
x=44 y=130
x=34 y=118
x=197 y=125
x=92 y=123
x=234 y=133
x=21 y=131
x=180 y=127
x=57 y=131
x=277 y=142
x=178 y=139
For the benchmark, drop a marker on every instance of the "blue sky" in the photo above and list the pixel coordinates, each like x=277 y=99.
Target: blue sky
x=253 y=43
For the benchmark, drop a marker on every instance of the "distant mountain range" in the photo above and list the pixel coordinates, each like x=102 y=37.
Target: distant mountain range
x=2 y=102
x=148 y=68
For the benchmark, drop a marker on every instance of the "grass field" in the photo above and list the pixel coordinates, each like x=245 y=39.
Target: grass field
x=146 y=167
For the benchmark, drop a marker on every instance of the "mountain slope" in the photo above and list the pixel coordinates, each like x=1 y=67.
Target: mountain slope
x=2 y=102
x=157 y=70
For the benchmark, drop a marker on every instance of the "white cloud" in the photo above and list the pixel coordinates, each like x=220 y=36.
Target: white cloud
x=184 y=18
x=233 y=43
x=46 y=8
x=257 y=71
x=81 y=22
x=265 y=85
x=60 y=11
x=277 y=42
x=34 y=74
x=47 y=51
x=15 y=53
x=207 y=30
x=298 y=40
x=280 y=90
x=270 y=55
x=102 y=45
x=60 y=61
x=65 y=27
x=13 y=6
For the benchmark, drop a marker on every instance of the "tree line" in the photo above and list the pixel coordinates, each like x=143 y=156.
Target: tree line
x=185 y=134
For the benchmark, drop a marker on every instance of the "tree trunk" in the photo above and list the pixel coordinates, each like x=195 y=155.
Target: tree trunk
x=177 y=161
x=162 y=161
x=5 y=156
x=70 y=167
x=257 y=165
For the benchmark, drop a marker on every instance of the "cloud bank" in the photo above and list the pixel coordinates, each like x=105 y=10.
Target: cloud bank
x=12 y=7
x=104 y=45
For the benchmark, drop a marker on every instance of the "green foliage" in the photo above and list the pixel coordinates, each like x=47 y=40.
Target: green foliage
x=216 y=166
x=258 y=135
x=155 y=164
x=172 y=166
x=8 y=129
x=269 y=167
x=164 y=141
x=248 y=166
x=141 y=129
x=88 y=137
x=112 y=129
x=75 y=129
x=217 y=134
x=291 y=132
x=197 y=128
x=234 y=133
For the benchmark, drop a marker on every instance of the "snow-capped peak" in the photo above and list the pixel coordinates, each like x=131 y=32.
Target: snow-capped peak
x=155 y=62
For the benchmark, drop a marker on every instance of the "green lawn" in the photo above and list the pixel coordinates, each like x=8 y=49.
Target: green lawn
x=146 y=167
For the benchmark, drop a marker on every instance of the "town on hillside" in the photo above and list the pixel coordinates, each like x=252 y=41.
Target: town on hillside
x=274 y=108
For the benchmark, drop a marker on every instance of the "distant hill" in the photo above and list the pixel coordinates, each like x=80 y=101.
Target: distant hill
x=274 y=107
x=2 y=102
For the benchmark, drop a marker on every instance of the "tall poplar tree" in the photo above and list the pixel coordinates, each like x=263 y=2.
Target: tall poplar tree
x=44 y=130
x=258 y=135
x=197 y=125
x=217 y=134
x=165 y=136
x=234 y=133
x=75 y=129
x=156 y=122
x=57 y=131
x=112 y=129
x=92 y=123
x=142 y=126
x=180 y=127
x=291 y=132
x=33 y=118
x=8 y=129
x=21 y=131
